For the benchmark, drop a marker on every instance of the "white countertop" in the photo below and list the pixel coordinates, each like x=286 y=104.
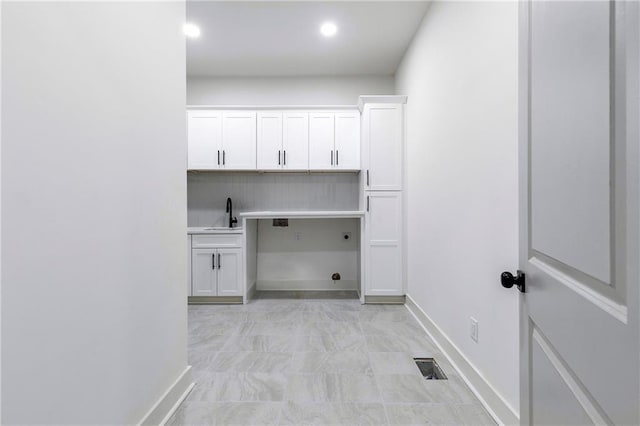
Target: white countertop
x=318 y=214
x=213 y=230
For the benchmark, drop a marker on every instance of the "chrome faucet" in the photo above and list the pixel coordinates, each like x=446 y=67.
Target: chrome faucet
x=232 y=219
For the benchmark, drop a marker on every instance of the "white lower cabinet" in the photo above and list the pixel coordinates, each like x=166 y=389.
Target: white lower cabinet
x=229 y=272
x=203 y=274
x=383 y=243
x=215 y=271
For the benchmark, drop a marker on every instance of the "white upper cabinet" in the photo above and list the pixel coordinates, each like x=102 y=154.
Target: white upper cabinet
x=295 y=144
x=219 y=140
x=274 y=140
x=382 y=127
x=239 y=140
x=205 y=140
x=270 y=141
x=321 y=140
x=334 y=141
x=283 y=141
x=347 y=140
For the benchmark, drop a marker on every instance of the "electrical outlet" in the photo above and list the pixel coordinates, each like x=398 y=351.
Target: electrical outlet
x=473 y=330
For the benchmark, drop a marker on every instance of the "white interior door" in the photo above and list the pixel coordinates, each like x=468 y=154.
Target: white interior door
x=321 y=141
x=239 y=140
x=347 y=134
x=270 y=151
x=296 y=141
x=579 y=212
x=204 y=139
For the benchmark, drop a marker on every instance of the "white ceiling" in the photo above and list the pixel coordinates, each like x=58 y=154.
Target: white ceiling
x=283 y=38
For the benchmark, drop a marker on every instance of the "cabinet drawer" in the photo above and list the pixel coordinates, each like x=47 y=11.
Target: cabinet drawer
x=216 y=240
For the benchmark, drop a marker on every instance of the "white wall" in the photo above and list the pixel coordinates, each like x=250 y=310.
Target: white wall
x=460 y=74
x=285 y=90
x=208 y=192
x=93 y=210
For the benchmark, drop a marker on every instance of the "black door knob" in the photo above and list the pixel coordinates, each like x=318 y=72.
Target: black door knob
x=508 y=280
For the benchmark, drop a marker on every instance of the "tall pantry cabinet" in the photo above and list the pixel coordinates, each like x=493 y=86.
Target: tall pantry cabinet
x=382 y=179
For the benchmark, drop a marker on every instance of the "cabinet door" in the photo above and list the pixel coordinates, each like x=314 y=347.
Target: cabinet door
x=203 y=274
x=347 y=134
x=296 y=141
x=383 y=236
x=229 y=272
x=239 y=140
x=204 y=139
x=270 y=151
x=321 y=141
x=383 y=138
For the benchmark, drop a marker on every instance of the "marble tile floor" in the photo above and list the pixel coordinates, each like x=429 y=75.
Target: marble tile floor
x=292 y=358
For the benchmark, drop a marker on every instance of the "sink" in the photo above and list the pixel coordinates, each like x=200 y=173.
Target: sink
x=213 y=229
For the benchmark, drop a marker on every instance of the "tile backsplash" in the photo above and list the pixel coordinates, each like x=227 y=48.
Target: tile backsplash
x=207 y=193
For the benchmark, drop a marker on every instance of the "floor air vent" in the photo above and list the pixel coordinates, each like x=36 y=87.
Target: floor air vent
x=430 y=369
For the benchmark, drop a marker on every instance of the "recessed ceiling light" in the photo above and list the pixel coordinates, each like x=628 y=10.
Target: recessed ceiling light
x=191 y=30
x=328 y=29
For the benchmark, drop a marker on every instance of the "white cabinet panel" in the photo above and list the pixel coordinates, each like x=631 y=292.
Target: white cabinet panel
x=204 y=139
x=383 y=244
x=203 y=274
x=385 y=271
x=239 y=140
x=383 y=150
x=269 y=141
x=321 y=141
x=347 y=140
x=229 y=272
x=296 y=141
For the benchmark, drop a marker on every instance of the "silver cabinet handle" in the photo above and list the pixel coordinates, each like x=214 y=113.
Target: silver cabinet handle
x=285 y=157
x=213 y=261
x=218 y=157
x=219 y=261
x=278 y=157
x=224 y=161
x=367 y=203
x=332 y=157
x=367 y=177
x=337 y=157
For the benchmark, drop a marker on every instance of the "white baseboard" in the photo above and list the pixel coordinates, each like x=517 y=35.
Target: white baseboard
x=169 y=402
x=311 y=285
x=496 y=405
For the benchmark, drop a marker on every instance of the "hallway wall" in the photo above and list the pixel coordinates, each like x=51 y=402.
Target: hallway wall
x=460 y=75
x=93 y=210
x=333 y=90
